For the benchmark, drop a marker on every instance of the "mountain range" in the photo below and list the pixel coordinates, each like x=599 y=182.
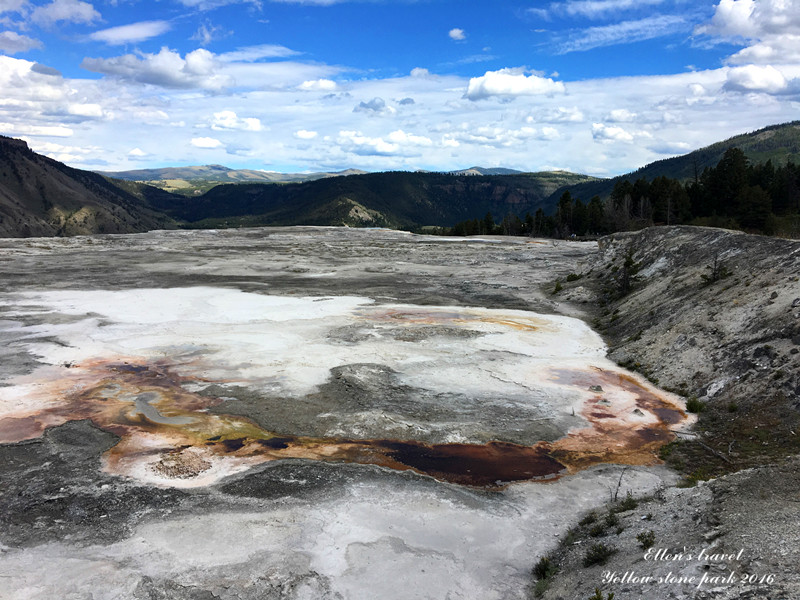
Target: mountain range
x=42 y=197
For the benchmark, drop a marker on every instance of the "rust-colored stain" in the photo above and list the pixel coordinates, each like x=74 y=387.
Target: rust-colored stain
x=627 y=430
x=168 y=437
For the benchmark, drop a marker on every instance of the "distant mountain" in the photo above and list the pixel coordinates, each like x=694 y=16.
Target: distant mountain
x=394 y=199
x=485 y=171
x=196 y=180
x=778 y=143
x=43 y=197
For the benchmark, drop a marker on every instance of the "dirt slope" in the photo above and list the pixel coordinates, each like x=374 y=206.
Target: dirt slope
x=730 y=345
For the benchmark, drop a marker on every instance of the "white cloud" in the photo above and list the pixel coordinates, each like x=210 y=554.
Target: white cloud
x=89 y=110
x=229 y=120
x=204 y=70
x=407 y=139
x=561 y=114
x=732 y=18
x=457 y=34
x=768 y=28
x=625 y=32
x=166 y=69
x=304 y=134
x=137 y=153
x=357 y=143
x=12 y=6
x=420 y=73
x=755 y=78
x=66 y=11
x=594 y=9
x=784 y=48
x=321 y=85
x=12 y=42
x=613 y=133
x=621 y=115
x=135 y=32
x=207 y=33
x=500 y=137
x=207 y=143
x=509 y=83
x=605 y=133
x=18 y=129
x=258 y=52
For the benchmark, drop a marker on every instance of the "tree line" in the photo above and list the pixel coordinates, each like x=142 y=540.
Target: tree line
x=735 y=194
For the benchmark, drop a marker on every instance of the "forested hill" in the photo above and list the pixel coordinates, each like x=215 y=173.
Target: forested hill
x=778 y=143
x=393 y=199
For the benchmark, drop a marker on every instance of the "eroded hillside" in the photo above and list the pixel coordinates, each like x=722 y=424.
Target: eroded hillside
x=714 y=315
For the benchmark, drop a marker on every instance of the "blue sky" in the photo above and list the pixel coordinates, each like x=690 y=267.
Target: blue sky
x=593 y=86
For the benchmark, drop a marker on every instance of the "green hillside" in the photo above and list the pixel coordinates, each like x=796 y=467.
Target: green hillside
x=778 y=143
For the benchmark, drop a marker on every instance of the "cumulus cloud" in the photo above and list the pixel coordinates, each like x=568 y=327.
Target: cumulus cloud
x=167 y=69
x=407 y=139
x=66 y=11
x=457 y=34
x=510 y=83
x=320 y=85
x=137 y=153
x=127 y=34
x=12 y=42
x=206 y=143
x=304 y=134
x=406 y=102
x=605 y=133
x=357 y=143
x=376 y=106
x=768 y=29
x=756 y=78
x=613 y=133
x=229 y=120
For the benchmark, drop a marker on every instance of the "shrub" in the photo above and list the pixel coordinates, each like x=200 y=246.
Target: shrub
x=598 y=554
x=629 y=503
x=544 y=568
x=597 y=530
x=558 y=286
x=598 y=595
x=646 y=539
x=693 y=405
x=573 y=277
